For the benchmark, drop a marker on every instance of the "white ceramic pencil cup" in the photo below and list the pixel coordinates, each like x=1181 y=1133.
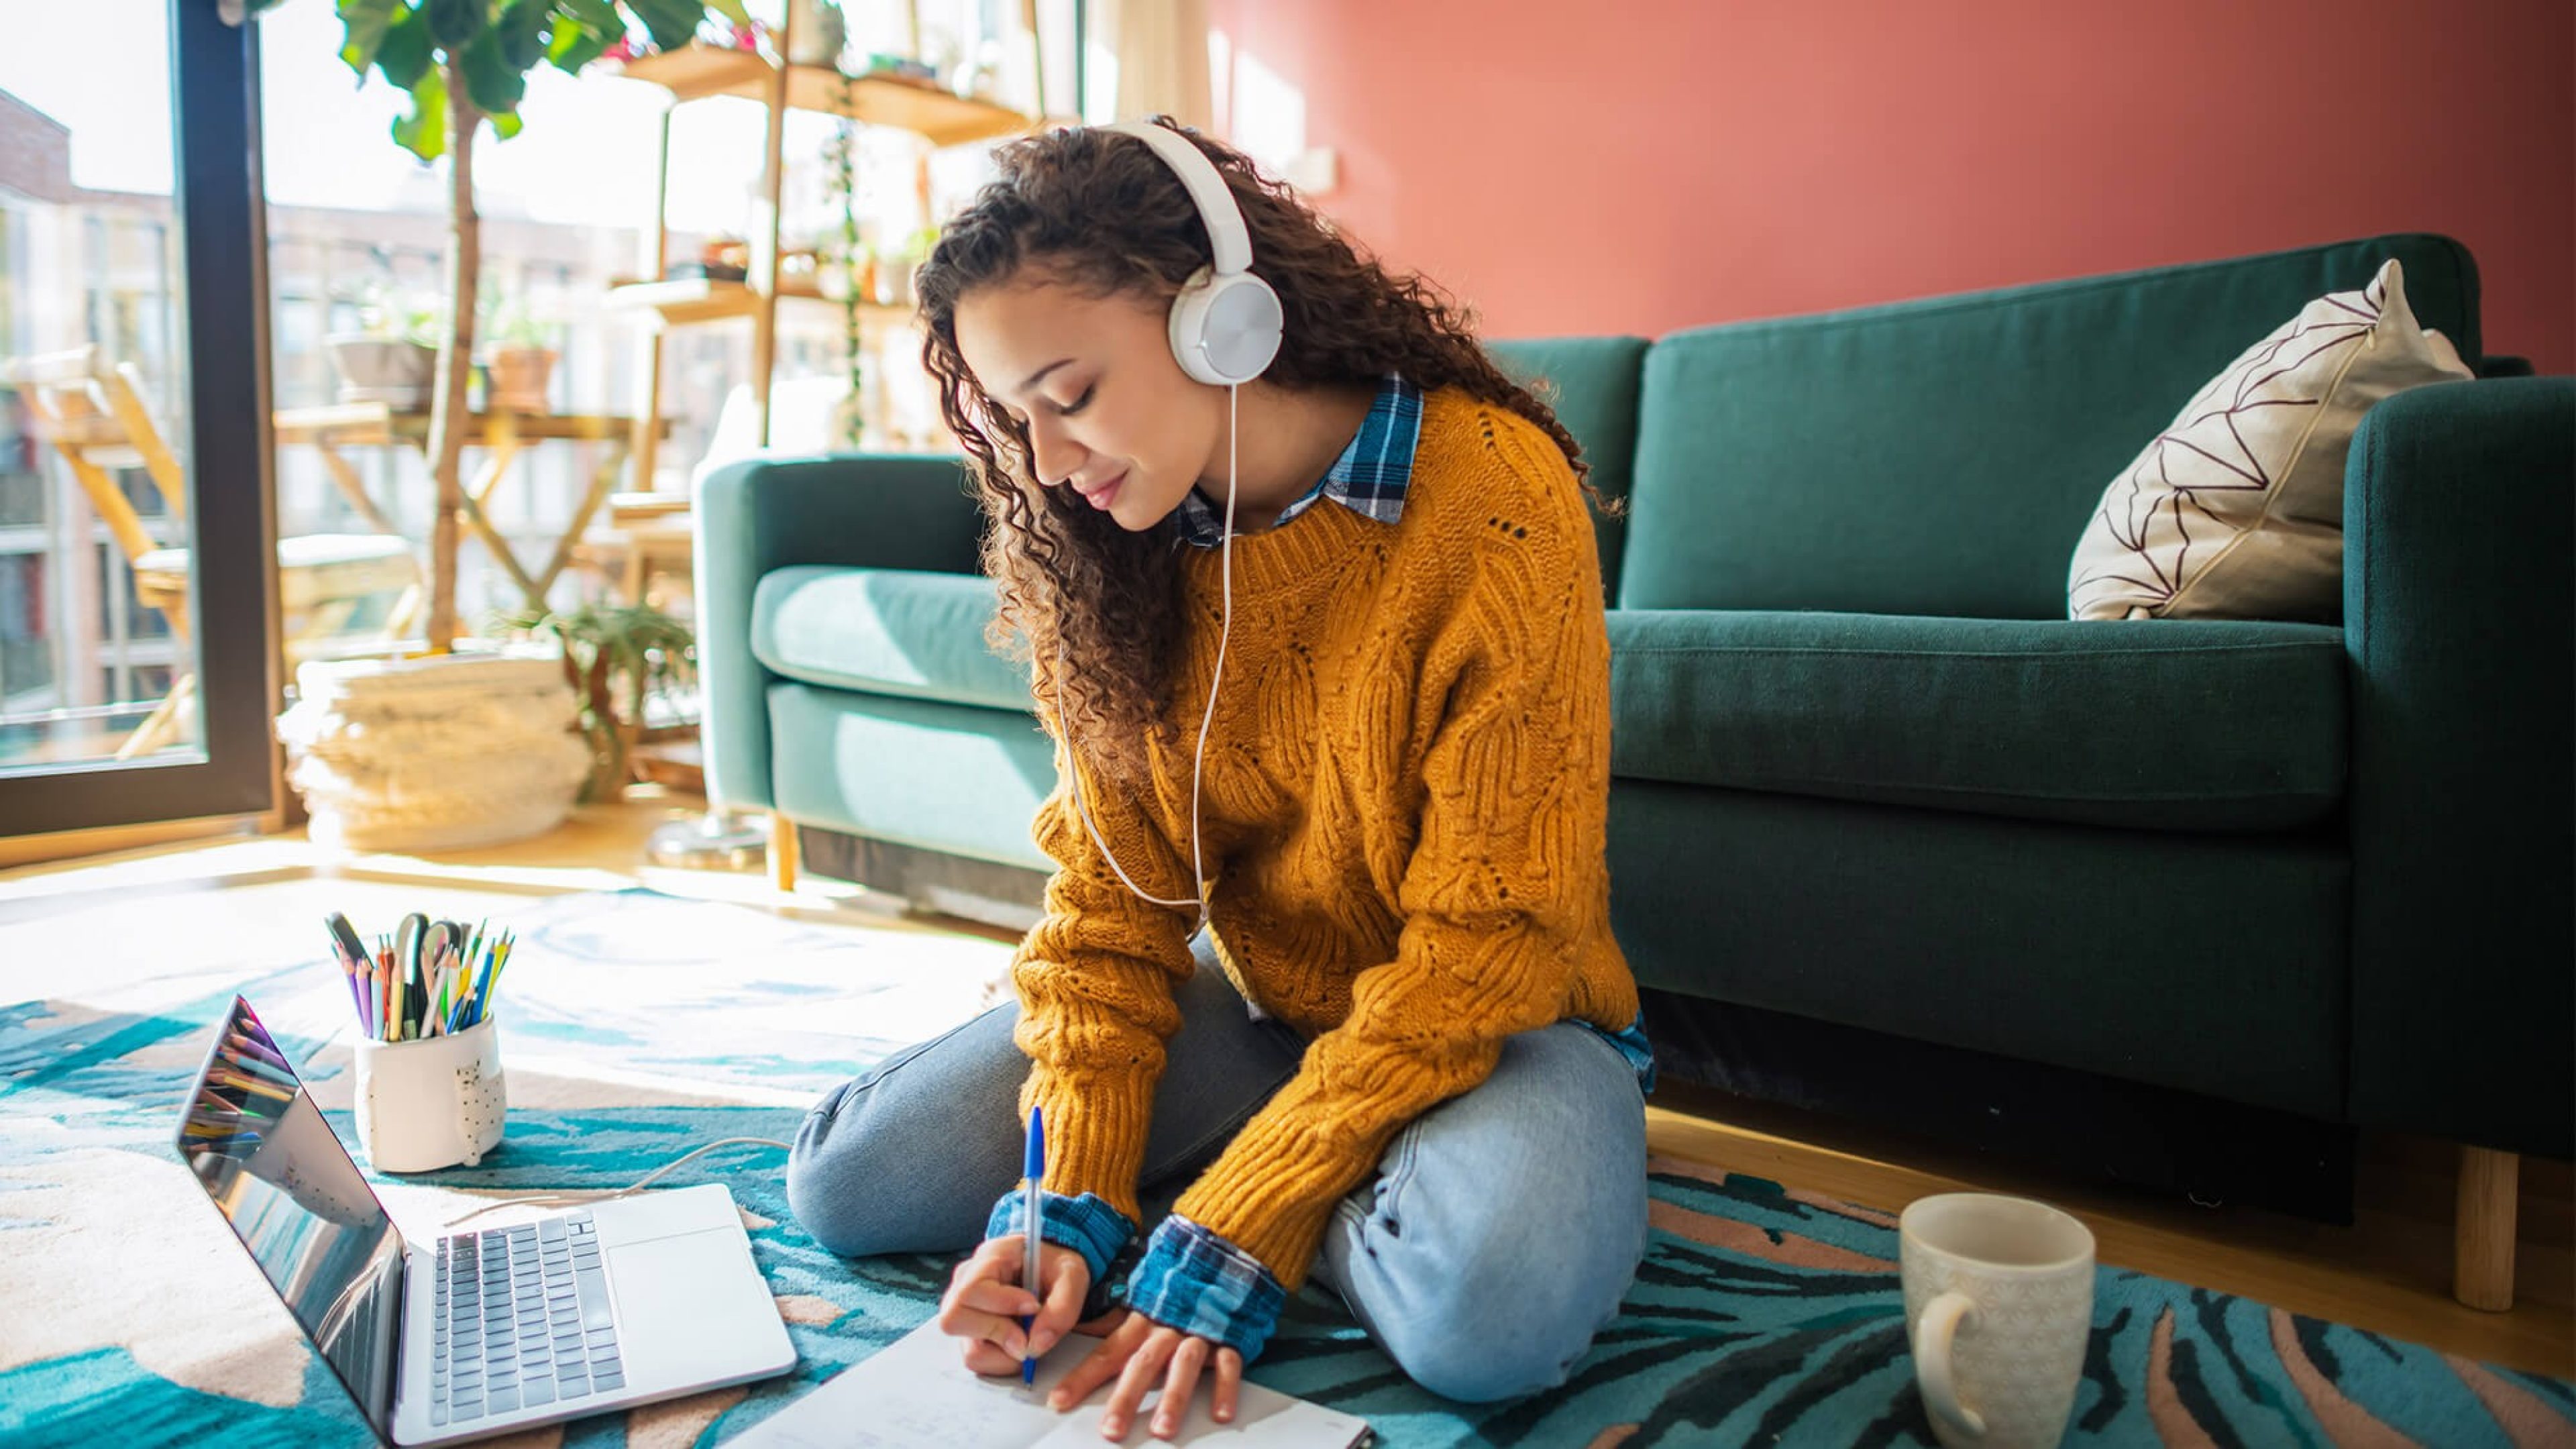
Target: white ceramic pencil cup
x=432 y=1103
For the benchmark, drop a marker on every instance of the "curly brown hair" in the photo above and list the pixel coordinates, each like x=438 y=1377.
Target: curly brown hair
x=1104 y=214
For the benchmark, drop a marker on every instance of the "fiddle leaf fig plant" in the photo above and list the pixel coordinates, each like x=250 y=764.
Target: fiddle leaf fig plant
x=465 y=62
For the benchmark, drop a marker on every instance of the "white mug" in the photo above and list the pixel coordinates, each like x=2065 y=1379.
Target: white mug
x=1999 y=1311
x=431 y=1103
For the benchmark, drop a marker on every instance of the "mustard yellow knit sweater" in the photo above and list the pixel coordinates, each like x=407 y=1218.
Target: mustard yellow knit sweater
x=1404 y=803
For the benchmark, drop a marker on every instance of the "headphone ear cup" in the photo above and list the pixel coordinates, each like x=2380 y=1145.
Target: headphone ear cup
x=1225 y=329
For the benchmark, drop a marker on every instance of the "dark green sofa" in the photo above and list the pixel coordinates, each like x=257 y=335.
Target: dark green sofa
x=1867 y=773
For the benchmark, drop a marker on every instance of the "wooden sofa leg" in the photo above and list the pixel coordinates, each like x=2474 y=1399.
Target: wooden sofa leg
x=782 y=851
x=2482 y=1268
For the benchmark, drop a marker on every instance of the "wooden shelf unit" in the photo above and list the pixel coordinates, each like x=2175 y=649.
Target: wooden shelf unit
x=904 y=102
x=697 y=72
x=699 y=299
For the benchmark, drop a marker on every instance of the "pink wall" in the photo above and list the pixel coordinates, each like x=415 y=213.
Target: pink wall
x=1647 y=165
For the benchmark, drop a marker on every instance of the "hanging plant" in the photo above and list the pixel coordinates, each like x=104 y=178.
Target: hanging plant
x=845 y=140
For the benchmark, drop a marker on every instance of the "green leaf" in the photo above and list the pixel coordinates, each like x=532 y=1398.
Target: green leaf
x=575 y=45
x=731 y=10
x=364 y=24
x=506 y=124
x=404 y=53
x=452 y=23
x=424 y=132
x=599 y=15
x=491 y=82
x=671 y=22
x=522 y=28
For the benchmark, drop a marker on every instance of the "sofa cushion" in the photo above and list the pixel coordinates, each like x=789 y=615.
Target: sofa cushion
x=885 y=631
x=1591 y=382
x=2175 y=725
x=1937 y=457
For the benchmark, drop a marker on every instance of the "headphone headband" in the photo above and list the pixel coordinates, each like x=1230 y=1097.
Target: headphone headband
x=1228 y=238
x=1225 y=321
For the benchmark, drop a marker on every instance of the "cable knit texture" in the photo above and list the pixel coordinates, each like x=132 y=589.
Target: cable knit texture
x=1406 y=792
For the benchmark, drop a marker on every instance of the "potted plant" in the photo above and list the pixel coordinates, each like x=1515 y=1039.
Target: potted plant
x=615 y=657
x=455 y=749
x=894 y=279
x=520 y=362
x=393 y=357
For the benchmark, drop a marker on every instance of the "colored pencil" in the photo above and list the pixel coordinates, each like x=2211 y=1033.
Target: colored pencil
x=357 y=999
x=411 y=984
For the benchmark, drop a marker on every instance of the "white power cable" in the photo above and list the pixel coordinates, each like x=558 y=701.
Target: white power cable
x=602 y=1195
x=1198 y=763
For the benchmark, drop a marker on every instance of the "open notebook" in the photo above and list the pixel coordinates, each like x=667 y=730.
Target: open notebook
x=919 y=1394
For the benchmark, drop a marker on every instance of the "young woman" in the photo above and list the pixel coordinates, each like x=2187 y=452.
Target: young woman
x=1325 y=981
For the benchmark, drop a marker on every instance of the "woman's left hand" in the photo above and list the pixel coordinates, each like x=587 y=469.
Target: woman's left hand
x=1141 y=1352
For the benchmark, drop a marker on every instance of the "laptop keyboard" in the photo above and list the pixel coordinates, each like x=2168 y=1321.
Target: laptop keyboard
x=522 y=1321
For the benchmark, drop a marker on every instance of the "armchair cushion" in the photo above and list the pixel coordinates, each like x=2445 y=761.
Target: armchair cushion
x=885 y=631
x=2174 y=725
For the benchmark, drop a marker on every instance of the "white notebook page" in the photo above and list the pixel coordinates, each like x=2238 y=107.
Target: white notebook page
x=917 y=1393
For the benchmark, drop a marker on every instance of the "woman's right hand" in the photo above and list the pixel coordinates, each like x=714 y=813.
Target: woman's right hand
x=985 y=1303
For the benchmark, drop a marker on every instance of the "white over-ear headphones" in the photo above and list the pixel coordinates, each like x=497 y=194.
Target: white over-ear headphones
x=1225 y=323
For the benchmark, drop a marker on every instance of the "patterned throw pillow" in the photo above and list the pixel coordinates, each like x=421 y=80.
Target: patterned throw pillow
x=2235 y=511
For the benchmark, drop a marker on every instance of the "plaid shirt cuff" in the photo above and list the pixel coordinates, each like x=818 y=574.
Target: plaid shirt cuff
x=1632 y=1044
x=1204 y=1286
x=1086 y=1224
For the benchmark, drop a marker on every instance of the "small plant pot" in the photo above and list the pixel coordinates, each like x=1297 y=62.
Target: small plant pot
x=386 y=370
x=893 y=283
x=519 y=377
x=820 y=32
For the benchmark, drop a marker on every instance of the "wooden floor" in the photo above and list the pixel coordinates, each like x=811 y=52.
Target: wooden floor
x=2389 y=1272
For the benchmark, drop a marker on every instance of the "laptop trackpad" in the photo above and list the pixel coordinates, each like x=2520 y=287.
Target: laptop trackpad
x=661 y=1214
x=693 y=1309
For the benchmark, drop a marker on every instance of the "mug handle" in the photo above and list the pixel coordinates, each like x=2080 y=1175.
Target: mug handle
x=1932 y=1336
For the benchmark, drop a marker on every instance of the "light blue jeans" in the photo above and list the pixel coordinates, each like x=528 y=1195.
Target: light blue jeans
x=1498 y=1234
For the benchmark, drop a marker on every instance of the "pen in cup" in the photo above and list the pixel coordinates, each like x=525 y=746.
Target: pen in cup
x=1032 y=1169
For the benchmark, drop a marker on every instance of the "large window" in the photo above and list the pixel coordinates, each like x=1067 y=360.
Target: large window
x=134 y=673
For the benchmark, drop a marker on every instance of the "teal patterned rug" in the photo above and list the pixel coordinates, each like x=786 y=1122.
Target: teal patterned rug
x=636 y=1026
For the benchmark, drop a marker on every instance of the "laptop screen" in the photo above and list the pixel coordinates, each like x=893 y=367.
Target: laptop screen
x=270 y=1163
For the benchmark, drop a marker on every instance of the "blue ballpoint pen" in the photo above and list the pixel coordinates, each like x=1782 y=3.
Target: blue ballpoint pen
x=1032 y=1168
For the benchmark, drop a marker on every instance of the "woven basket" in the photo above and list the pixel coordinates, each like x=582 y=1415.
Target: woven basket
x=440 y=753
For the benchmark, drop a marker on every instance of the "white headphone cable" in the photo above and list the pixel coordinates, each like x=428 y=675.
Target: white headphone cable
x=1216 y=677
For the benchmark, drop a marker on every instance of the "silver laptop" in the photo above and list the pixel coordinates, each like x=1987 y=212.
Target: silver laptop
x=483 y=1331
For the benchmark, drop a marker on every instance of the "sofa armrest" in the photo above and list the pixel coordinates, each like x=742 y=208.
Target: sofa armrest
x=2457 y=620
x=761 y=514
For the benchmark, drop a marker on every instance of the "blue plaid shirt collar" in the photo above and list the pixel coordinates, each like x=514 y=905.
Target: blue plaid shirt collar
x=1369 y=477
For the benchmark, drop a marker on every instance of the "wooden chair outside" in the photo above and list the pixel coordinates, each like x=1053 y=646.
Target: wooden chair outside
x=94 y=416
